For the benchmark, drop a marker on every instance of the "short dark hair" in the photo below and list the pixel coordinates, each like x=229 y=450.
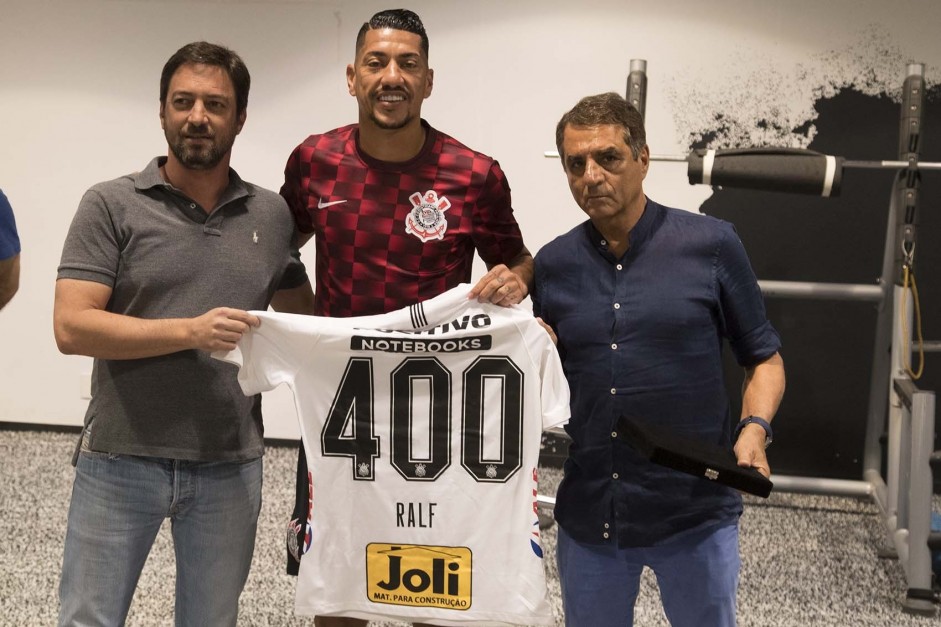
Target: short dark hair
x=609 y=108
x=397 y=19
x=203 y=53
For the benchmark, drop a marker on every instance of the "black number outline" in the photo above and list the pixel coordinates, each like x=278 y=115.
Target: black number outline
x=351 y=407
x=400 y=406
x=511 y=426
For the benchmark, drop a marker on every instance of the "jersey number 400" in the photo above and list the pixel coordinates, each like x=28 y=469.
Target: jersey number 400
x=492 y=388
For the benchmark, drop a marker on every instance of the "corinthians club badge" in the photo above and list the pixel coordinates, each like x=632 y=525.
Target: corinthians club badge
x=426 y=219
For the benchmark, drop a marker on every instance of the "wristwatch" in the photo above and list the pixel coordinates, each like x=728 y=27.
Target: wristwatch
x=761 y=422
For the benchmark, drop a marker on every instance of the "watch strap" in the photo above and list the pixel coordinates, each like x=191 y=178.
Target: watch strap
x=764 y=424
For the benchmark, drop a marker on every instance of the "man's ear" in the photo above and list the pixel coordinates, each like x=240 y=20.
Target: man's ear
x=350 y=77
x=241 y=121
x=429 y=82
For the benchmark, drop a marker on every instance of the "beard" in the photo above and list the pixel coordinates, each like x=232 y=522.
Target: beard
x=388 y=124
x=200 y=157
x=391 y=126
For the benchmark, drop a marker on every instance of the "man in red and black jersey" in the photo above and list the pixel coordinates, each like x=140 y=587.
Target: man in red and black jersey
x=397 y=208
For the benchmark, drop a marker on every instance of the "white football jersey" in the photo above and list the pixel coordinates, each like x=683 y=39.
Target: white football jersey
x=422 y=430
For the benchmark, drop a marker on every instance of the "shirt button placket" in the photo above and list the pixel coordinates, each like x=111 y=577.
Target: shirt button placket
x=614 y=434
x=614 y=345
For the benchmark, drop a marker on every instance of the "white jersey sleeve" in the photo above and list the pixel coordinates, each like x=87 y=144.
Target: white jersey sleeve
x=422 y=430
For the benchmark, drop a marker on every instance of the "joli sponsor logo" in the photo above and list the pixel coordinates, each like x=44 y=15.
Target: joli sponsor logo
x=419 y=576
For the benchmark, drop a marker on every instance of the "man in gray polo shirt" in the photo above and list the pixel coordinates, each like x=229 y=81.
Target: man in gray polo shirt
x=159 y=269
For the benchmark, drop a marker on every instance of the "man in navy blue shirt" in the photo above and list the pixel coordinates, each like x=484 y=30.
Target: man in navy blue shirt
x=642 y=297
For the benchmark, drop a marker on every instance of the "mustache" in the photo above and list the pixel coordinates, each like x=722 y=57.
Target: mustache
x=197 y=132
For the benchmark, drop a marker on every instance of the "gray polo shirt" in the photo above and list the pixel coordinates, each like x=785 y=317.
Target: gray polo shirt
x=164 y=257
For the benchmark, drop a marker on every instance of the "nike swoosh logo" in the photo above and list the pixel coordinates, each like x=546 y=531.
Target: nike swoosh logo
x=323 y=205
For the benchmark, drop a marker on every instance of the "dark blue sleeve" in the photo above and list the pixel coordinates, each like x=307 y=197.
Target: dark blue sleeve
x=751 y=335
x=9 y=239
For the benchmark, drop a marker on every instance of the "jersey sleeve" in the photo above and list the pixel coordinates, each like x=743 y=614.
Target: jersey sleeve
x=554 y=387
x=272 y=353
x=294 y=190
x=497 y=235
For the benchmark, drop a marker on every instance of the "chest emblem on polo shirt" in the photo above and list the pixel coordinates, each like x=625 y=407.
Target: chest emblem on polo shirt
x=426 y=219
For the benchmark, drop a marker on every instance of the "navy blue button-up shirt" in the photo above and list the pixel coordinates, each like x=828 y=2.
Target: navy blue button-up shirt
x=642 y=335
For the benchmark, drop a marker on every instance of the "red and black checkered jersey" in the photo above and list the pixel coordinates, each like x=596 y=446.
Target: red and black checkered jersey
x=389 y=235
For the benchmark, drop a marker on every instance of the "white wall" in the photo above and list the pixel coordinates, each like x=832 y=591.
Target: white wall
x=79 y=82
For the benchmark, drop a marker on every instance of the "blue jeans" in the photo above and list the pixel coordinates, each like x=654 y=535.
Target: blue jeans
x=118 y=504
x=697 y=574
